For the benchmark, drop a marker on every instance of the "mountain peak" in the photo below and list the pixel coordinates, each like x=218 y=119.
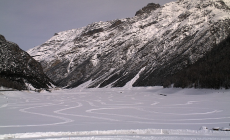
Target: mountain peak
x=2 y=38
x=148 y=9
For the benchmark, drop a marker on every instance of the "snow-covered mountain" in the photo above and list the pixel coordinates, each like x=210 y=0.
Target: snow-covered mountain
x=18 y=70
x=159 y=41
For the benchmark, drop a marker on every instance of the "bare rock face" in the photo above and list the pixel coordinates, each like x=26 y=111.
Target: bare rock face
x=158 y=42
x=18 y=69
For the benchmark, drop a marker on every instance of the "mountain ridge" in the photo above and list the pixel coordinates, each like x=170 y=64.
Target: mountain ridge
x=164 y=39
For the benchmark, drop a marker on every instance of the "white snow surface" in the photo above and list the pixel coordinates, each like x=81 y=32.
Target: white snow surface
x=131 y=82
x=4 y=88
x=145 y=113
x=227 y=2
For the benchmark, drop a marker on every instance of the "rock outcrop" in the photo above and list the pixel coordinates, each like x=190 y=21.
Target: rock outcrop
x=18 y=70
x=147 y=9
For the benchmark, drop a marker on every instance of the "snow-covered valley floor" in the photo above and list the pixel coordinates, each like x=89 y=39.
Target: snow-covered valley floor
x=115 y=113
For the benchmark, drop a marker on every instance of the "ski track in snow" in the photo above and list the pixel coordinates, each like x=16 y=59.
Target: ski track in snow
x=113 y=108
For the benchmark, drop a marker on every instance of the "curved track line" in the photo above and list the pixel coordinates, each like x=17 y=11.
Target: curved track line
x=5 y=105
x=211 y=112
x=66 y=120
x=155 y=103
x=103 y=103
x=84 y=116
x=91 y=111
x=188 y=103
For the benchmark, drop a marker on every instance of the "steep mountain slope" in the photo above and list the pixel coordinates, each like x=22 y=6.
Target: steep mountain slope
x=212 y=71
x=159 y=41
x=18 y=70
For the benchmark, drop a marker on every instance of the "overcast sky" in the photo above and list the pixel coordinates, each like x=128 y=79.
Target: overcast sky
x=32 y=22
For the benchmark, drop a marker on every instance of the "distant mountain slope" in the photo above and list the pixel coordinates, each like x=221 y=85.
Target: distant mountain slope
x=212 y=71
x=18 y=70
x=158 y=42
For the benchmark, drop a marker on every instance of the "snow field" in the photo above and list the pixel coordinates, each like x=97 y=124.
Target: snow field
x=123 y=134
x=115 y=113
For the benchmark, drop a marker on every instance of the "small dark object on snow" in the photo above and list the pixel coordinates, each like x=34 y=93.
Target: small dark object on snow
x=216 y=128
x=225 y=129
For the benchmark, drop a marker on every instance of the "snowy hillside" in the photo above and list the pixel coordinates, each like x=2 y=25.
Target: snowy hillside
x=161 y=41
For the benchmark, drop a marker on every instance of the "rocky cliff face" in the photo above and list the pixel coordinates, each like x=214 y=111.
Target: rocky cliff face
x=158 y=42
x=18 y=69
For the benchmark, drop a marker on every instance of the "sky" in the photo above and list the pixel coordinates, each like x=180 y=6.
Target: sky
x=30 y=23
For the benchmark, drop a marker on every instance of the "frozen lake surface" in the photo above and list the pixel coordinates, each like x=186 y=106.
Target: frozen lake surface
x=115 y=113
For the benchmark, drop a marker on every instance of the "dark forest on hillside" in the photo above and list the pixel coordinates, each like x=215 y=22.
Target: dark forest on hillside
x=212 y=71
x=10 y=83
